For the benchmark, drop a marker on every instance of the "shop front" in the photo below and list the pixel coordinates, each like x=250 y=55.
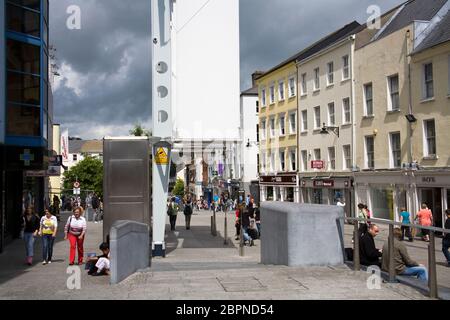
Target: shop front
x=328 y=191
x=282 y=188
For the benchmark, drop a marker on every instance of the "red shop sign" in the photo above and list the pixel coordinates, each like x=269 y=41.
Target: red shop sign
x=317 y=164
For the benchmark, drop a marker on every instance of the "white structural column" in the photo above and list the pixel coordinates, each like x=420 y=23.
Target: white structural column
x=162 y=117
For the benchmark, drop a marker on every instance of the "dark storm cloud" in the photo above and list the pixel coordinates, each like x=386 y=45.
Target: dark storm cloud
x=105 y=85
x=274 y=30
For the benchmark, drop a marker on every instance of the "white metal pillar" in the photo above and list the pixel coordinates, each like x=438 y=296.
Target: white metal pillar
x=162 y=117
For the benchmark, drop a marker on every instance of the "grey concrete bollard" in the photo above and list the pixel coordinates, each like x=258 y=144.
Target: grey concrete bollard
x=301 y=234
x=130 y=249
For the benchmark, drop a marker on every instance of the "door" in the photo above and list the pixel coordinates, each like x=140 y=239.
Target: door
x=433 y=199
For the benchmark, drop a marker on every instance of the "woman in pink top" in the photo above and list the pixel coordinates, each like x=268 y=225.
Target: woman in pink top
x=425 y=217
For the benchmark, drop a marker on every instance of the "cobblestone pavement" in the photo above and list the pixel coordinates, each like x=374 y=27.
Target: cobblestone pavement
x=198 y=266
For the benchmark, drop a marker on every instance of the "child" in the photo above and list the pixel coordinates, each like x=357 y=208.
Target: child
x=100 y=265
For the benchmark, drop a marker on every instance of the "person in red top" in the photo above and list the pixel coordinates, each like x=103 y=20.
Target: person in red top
x=425 y=217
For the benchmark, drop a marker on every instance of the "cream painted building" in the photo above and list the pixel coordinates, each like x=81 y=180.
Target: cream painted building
x=278 y=133
x=325 y=101
x=386 y=175
x=430 y=81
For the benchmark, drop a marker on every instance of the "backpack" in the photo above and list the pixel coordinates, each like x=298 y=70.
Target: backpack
x=188 y=209
x=170 y=210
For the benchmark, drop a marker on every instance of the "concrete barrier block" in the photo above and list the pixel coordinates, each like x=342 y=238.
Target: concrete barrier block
x=301 y=234
x=130 y=249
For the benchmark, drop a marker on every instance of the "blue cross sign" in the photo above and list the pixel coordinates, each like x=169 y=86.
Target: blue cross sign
x=27 y=157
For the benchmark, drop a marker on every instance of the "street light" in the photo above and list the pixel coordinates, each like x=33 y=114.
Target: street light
x=326 y=130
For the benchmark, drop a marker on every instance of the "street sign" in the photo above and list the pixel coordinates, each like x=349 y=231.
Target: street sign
x=161 y=157
x=77 y=191
x=76 y=185
x=317 y=164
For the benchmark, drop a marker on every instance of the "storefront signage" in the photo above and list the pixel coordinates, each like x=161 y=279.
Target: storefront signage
x=429 y=179
x=279 y=180
x=317 y=164
x=324 y=183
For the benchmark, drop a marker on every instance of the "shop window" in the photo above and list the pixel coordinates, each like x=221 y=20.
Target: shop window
x=269 y=193
x=31 y=4
x=382 y=204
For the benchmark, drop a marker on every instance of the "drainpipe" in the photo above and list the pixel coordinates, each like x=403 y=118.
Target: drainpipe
x=409 y=125
x=353 y=143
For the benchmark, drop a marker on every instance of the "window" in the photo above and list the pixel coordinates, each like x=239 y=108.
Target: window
x=282 y=161
x=293 y=123
x=331 y=114
x=23 y=88
x=272 y=94
x=272 y=127
x=370 y=152
x=428 y=81
x=23 y=120
x=347 y=157
x=257 y=106
x=263 y=162
x=317 y=123
x=304 y=160
x=304 y=121
x=292 y=87
x=282 y=120
x=396 y=150
x=346 y=68
x=293 y=160
x=263 y=97
x=281 y=91
x=394 y=101
x=272 y=162
x=304 y=85
x=332 y=158
x=346 y=110
x=23 y=57
x=75 y=157
x=316 y=79
x=430 y=138
x=257 y=133
x=330 y=75
x=368 y=97
x=22 y=19
x=317 y=154
x=263 y=129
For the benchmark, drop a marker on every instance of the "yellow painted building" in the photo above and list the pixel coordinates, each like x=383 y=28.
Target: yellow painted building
x=278 y=133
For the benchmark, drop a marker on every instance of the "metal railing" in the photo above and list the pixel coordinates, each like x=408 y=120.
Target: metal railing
x=432 y=274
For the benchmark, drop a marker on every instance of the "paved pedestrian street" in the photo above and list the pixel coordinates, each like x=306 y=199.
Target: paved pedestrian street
x=198 y=266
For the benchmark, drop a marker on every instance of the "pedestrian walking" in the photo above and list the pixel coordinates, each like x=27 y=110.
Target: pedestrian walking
x=237 y=223
x=96 y=207
x=48 y=229
x=56 y=206
x=30 y=226
x=446 y=239
x=172 y=212
x=75 y=231
x=425 y=217
x=405 y=218
x=362 y=214
x=188 y=213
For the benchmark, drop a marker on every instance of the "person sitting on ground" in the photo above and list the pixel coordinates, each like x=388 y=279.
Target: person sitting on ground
x=404 y=265
x=369 y=254
x=100 y=265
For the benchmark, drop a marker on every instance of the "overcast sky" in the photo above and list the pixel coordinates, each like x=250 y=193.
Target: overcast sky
x=105 y=83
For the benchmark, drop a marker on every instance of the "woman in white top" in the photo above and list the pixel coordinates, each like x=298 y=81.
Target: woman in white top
x=75 y=231
x=48 y=228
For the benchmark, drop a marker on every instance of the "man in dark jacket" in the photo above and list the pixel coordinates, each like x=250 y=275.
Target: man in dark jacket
x=369 y=254
x=446 y=239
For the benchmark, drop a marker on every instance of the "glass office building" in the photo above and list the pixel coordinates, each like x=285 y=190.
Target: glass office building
x=25 y=109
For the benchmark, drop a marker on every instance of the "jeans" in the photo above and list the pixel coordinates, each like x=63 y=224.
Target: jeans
x=29 y=243
x=188 y=221
x=407 y=231
x=47 y=247
x=96 y=215
x=445 y=248
x=420 y=272
x=246 y=235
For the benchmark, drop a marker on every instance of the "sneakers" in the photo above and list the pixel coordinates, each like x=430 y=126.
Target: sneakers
x=49 y=262
x=44 y=263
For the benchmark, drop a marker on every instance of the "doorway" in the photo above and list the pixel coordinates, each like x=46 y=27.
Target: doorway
x=433 y=199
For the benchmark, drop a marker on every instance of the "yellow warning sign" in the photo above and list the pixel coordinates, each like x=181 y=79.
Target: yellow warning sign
x=161 y=157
